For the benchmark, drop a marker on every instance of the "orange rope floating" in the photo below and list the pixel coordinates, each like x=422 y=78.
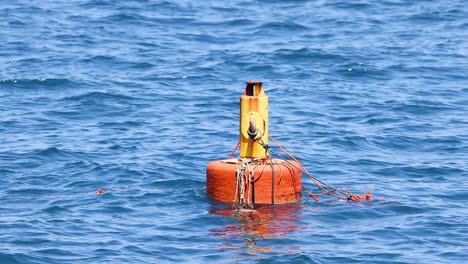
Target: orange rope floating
x=361 y=198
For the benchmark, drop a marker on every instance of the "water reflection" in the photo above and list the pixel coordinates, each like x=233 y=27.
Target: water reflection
x=262 y=223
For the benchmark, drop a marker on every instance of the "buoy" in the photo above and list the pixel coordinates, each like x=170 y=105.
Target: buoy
x=254 y=177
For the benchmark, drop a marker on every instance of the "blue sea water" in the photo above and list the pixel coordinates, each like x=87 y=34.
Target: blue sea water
x=136 y=97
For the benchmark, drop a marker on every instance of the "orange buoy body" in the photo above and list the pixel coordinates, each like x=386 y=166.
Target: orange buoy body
x=257 y=183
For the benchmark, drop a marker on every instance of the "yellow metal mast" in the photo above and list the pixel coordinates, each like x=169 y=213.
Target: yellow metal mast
x=253 y=120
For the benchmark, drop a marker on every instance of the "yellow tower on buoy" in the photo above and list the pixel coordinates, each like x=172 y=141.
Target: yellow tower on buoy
x=253 y=120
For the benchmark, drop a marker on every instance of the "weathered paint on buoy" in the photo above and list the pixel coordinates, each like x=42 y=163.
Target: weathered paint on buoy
x=254 y=178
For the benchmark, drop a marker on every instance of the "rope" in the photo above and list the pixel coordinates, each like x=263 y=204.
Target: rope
x=272 y=179
x=268 y=154
x=346 y=194
x=234 y=150
x=244 y=181
x=317 y=182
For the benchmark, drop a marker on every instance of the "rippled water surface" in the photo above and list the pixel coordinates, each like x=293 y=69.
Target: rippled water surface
x=136 y=97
